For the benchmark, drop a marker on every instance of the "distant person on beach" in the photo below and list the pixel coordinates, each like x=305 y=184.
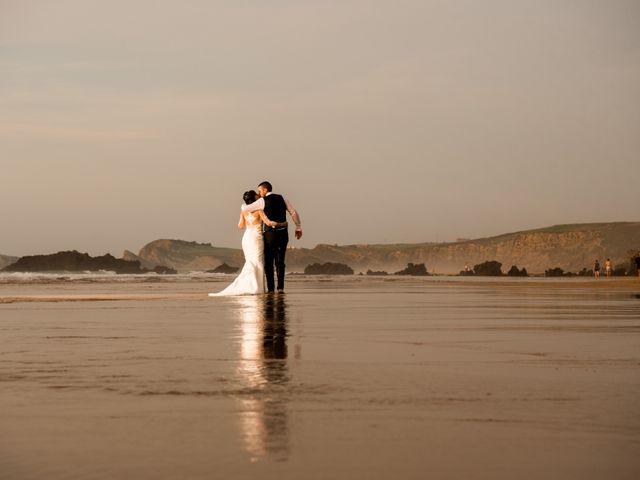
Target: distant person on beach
x=596 y=269
x=607 y=267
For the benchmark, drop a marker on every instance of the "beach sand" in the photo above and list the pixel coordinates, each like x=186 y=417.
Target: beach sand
x=353 y=377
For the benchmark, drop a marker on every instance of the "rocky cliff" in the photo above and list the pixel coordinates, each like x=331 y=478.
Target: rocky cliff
x=570 y=247
x=185 y=256
x=6 y=260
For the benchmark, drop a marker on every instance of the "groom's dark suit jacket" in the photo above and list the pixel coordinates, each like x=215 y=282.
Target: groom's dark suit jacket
x=275 y=208
x=275 y=240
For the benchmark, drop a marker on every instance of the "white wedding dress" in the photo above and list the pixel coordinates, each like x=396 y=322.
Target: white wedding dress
x=250 y=281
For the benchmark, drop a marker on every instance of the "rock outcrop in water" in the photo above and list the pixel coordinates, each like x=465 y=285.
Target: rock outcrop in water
x=378 y=273
x=162 y=270
x=633 y=262
x=492 y=268
x=224 y=268
x=571 y=247
x=414 y=270
x=514 y=271
x=74 y=261
x=557 y=272
x=328 y=268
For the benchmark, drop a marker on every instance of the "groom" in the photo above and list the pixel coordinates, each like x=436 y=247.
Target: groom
x=275 y=238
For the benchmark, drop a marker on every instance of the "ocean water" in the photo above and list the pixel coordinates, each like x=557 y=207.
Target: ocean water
x=109 y=376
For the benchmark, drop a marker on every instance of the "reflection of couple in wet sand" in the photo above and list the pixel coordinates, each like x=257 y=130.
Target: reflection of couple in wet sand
x=264 y=243
x=264 y=416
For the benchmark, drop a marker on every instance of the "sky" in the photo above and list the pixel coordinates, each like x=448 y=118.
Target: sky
x=122 y=122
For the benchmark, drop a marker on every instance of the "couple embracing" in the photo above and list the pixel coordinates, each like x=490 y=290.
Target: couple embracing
x=264 y=243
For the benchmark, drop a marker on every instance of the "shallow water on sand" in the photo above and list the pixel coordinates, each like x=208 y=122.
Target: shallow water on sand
x=147 y=377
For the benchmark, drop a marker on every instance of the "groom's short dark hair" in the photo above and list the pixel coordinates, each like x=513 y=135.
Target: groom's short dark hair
x=266 y=185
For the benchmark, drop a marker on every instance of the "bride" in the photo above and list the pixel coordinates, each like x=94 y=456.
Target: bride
x=250 y=281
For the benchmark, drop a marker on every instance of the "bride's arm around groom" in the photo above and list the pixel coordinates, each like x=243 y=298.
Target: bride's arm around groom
x=259 y=205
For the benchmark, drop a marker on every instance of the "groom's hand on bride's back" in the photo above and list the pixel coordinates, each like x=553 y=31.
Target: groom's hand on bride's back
x=298 y=234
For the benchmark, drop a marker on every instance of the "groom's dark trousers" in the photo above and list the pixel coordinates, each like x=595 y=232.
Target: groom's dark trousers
x=275 y=248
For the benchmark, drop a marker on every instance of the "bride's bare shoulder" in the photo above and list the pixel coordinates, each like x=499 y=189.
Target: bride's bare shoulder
x=252 y=216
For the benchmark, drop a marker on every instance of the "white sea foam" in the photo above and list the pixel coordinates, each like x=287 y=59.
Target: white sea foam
x=102 y=276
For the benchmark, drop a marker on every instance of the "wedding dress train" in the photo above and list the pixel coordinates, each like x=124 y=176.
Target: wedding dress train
x=250 y=281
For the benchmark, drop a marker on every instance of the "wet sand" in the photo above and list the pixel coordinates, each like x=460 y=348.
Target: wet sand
x=343 y=378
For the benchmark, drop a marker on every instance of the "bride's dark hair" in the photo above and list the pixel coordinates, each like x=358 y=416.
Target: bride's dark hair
x=249 y=197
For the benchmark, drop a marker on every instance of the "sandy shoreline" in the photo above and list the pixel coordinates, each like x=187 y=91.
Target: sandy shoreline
x=100 y=297
x=613 y=284
x=339 y=378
